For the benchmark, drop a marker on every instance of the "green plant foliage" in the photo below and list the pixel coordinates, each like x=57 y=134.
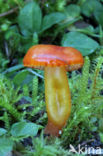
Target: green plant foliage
x=81 y=42
x=3 y=62
x=89 y=6
x=20 y=76
x=8 y=97
x=35 y=89
x=93 y=9
x=2 y=131
x=52 y=19
x=60 y=5
x=72 y=11
x=14 y=39
x=24 y=129
x=41 y=147
x=5 y=6
x=98 y=16
x=6 y=146
x=25 y=90
x=6 y=120
x=33 y=16
x=89 y=30
x=33 y=30
x=34 y=19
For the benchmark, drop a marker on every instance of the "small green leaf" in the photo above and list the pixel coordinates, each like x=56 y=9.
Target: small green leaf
x=2 y=131
x=72 y=11
x=24 y=129
x=77 y=40
x=30 y=19
x=6 y=146
x=51 y=19
x=20 y=76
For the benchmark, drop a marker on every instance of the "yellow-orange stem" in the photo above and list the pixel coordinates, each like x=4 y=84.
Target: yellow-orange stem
x=58 y=99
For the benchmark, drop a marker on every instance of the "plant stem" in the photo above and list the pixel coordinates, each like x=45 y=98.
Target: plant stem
x=58 y=99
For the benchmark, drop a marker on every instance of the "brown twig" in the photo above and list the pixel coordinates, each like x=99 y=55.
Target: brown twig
x=9 y=12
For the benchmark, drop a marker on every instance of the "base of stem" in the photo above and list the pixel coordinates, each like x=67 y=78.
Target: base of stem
x=52 y=129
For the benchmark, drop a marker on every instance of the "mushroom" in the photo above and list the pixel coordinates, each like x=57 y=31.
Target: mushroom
x=55 y=60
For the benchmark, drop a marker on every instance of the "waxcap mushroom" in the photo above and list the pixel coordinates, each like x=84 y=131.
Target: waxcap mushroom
x=39 y=56
x=55 y=61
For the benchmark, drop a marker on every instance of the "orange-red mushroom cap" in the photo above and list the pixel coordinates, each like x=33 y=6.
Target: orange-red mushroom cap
x=40 y=56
